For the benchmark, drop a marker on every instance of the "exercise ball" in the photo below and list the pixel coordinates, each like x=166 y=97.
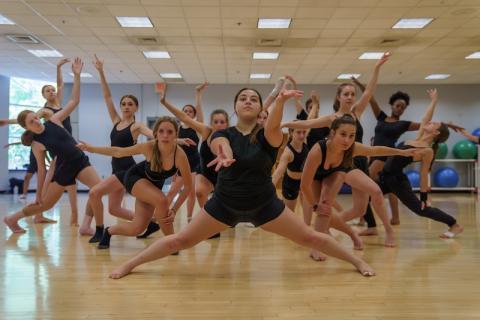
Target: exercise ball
x=476 y=132
x=446 y=177
x=346 y=189
x=442 y=151
x=465 y=149
x=414 y=178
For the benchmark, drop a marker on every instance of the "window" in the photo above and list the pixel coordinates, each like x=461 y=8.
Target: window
x=24 y=94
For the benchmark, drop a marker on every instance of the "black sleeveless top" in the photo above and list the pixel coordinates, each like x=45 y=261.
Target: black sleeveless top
x=66 y=123
x=58 y=142
x=387 y=133
x=122 y=138
x=321 y=172
x=159 y=175
x=298 y=158
x=247 y=183
x=207 y=156
x=315 y=134
x=396 y=164
x=359 y=132
x=191 y=151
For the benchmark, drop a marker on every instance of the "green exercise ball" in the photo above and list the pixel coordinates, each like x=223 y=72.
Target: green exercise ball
x=442 y=151
x=465 y=149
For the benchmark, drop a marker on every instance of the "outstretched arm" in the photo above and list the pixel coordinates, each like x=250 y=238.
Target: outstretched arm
x=220 y=147
x=273 y=129
x=61 y=115
x=362 y=103
x=427 y=117
x=320 y=122
x=107 y=95
x=379 y=151
x=198 y=101
x=117 y=152
x=60 y=84
x=470 y=137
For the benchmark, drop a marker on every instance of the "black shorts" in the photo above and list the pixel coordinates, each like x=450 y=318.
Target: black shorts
x=210 y=177
x=136 y=173
x=32 y=167
x=66 y=172
x=290 y=187
x=194 y=162
x=120 y=175
x=258 y=216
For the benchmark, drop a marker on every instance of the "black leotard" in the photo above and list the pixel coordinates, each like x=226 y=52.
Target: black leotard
x=32 y=164
x=387 y=133
x=206 y=156
x=66 y=123
x=315 y=134
x=121 y=138
x=322 y=172
x=298 y=158
x=191 y=151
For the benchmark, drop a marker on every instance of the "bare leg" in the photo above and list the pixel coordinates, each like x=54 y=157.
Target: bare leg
x=291 y=204
x=317 y=192
x=39 y=218
x=141 y=218
x=26 y=184
x=115 y=199
x=288 y=226
x=90 y=178
x=201 y=228
x=72 y=197
x=307 y=210
x=191 y=198
x=202 y=189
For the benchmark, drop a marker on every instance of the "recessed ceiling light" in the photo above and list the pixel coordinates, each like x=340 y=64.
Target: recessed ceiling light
x=171 y=75
x=475 y=55
x=83 y=75
x=5 y=20
x=156 y=54
x=344 y=76
x=412 y=23
x=46 y=53
x=135 y=22
x=274 y=23
x=265 y=55
x=260 y=75
x=437 y=76
x=371 y=56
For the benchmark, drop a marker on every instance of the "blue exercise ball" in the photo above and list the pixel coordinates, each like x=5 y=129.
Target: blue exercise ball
x=414 y=178
x=446 y=177
x=476 y=132
x=346 y=189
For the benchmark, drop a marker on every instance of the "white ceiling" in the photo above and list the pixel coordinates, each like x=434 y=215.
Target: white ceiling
x=214 y=39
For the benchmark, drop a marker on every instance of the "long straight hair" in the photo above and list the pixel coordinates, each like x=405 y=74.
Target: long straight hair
x=156 y=161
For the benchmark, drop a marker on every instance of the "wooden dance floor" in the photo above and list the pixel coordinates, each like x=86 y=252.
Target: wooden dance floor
x=52 y=273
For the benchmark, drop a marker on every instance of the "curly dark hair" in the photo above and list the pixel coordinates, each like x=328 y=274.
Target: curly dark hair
x=399 y=95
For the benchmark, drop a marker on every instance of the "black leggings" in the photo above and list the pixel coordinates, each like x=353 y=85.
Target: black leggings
x=399 y=185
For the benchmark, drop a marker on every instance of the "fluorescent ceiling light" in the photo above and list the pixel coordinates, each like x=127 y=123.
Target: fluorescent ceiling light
x=412 y=23
x=344 y=76
x=5 y=20
x=171 y=75
x=46 y=53
x=135 y=22
x=439 y=76
x=265 y=55
x=274 y=23
x=260 y=76
x=475 y=55
x=371 y=56
x=83 y=75
x=156 y=54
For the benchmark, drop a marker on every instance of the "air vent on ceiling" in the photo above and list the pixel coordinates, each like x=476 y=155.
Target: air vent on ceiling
x=269 y=42
x=22 y=38
x=145 y=40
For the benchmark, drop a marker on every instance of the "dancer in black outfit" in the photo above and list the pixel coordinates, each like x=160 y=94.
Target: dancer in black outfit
x=244 y=190
x=145 y=180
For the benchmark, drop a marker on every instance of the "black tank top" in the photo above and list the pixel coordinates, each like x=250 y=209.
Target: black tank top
x=66 y=123
x=298 y=158
x=58 y=142
x=162 y=175
x=122 y=138
x=321 y=171
x=387 y=133
x=315 y=134
x=191 y=151
x=396 y=164
x=359 y=132
x=206 y=156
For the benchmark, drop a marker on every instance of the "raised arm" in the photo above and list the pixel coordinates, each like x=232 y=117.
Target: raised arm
x=362 y=103
x=60 y=84
x=199 y=90
x=268 y=103
x=61 y=115
x=320 y=122
x=373 y=103
x=315 y=105
x=298 y=102
x=379 y=151
x=117 y=152
x=427 y=117
x=107 y=95
x=199 y=127
x=470 y=137
x=312 y=162
x=144 y=130
x=285 y=159
x=273 y=129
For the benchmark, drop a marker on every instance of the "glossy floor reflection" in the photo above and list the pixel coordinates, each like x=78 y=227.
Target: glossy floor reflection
x=52 y=273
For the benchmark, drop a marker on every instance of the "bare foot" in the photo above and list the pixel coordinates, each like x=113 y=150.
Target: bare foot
x=357 y=241
x=452 y=232
x=74 y=220
x=389 y=240
x=317 y=255
x=369 y=232
x=86 y=231
x=121 y=271
x=365 y=269
x=42 y=219
x=13 y=225
x=395 y=222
